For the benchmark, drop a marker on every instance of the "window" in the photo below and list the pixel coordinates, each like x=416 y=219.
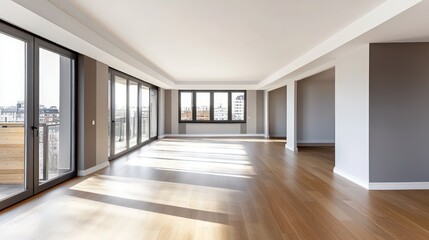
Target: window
x=186 y=106
x=212 y=106
x=203 y=106
x=220 y=106
x=238 y=106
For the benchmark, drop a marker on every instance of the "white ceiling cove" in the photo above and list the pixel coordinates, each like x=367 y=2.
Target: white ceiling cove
x=222 y=40
x=246 y=44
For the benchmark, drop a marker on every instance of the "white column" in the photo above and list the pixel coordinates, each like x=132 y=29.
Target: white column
x=266 y=115
x=352 y=116
x=291 y=116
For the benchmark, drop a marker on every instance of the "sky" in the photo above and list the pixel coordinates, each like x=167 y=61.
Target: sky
x=49 y=84
x=12 y=70
x=12 y=73
x=121 y=93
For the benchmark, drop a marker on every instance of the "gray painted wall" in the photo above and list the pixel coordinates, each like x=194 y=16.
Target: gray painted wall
x=316 y=108
x=167 y=114
x=102 y=125
x=399 y=112
x=251 y=112
x=174 y=112
x=86 y=100
x=92 y=140
x=260 y=110
x=277 y=112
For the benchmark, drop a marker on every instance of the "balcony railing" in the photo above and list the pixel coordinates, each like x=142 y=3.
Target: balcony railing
x=48 y=151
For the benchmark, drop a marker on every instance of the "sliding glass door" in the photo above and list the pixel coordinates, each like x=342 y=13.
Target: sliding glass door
x=15 y=116
x=36 y=115
x=120 y=112
x=55 y=111
x=133 y=113
x=144 y=113
x=133 y=90
x=153 y=112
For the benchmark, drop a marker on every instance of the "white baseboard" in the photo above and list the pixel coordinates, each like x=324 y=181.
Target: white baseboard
x=293 y=149
x=399 y=185
x=214 y=135
x=161 y=136
x=383 y=185
x=86 y=172
x=351 y=178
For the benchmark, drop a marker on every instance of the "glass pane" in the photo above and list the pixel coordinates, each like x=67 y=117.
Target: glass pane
x=145 y=113
x=132 y=112
x=12 y=115
x=203 y=106
x=153 y=113
x=55 y=119
x=237 y=104
x=220 y=105
x=186 y=106
x=120 y=114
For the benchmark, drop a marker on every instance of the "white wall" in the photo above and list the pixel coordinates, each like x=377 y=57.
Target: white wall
x=291 y=131
x=316 y=108
x=352 y=115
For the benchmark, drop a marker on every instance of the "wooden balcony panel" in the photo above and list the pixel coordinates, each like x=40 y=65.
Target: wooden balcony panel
x=12 y=153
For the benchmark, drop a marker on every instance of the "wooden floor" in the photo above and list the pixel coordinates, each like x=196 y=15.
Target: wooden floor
x=218 y=189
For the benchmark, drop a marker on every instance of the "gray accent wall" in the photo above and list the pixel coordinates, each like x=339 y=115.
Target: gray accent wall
x=260 y=110
x=277 y=112
x=102 y=125
x=399 y=112
x=86 y=100
x=92 y=94
x=167 y=114
x=316 y=108
x=251 y=112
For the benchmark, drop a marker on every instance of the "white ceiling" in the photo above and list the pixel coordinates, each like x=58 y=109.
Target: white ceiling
x=234 y=44
x=222 y=40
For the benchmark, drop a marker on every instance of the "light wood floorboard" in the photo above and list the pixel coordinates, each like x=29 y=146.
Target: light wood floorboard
x=218 y=189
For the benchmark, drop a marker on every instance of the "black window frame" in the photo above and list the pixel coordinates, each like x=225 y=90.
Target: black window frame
x=194 y=106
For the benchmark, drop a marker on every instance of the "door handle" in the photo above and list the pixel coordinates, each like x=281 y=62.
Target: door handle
x=35 y=130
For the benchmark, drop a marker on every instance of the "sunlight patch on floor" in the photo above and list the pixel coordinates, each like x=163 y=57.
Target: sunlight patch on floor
x=173 y=194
